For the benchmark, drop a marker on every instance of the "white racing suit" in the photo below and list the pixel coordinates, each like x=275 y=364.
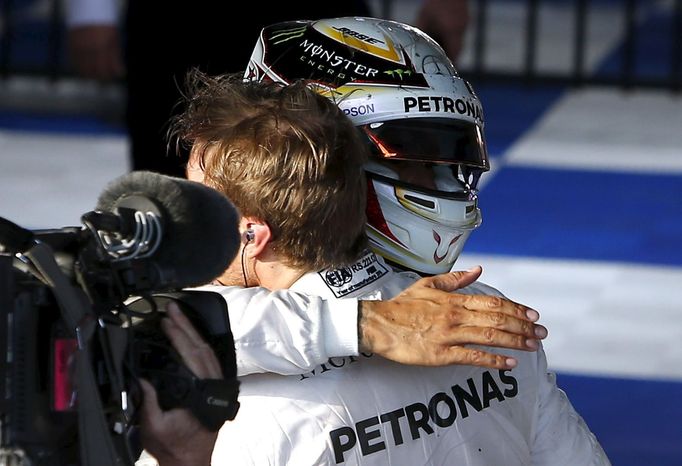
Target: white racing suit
x=367 y=410
x=285 y=332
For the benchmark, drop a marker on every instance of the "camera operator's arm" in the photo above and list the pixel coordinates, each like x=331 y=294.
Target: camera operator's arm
x=290 y=333
x=176 y=437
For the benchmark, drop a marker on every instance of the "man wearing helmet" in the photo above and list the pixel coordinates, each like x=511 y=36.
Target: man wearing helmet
x=374 y=332
x=424 y=127
x=298 y=187
x=422 y=122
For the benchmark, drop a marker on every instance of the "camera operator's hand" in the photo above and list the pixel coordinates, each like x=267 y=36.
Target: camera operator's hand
x=429 y=325
x=176 y=437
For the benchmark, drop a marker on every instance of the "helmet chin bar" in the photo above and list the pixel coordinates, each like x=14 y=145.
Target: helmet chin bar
x=420 y=231
x=402 y=259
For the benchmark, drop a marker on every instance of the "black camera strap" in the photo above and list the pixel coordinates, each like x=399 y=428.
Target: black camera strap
x=96 y=446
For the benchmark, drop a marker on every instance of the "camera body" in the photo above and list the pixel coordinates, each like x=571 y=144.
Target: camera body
x=154 y=359
x=77 y=331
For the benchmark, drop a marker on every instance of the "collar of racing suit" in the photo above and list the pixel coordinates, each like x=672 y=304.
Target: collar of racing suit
x=350 y=281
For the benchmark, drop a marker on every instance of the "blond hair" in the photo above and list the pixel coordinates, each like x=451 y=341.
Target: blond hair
x=284 y=155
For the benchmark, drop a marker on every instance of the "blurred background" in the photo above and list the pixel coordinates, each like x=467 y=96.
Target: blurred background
x=582 y=209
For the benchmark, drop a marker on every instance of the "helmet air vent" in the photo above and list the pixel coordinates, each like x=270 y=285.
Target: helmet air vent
x=427 y=203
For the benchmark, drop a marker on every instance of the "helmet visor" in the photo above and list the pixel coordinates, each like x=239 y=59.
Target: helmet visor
x=434 y=140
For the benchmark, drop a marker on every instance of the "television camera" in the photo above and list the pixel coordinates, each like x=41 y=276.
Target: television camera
x=79 y=321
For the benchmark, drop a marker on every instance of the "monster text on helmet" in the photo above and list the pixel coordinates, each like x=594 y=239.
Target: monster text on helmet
x=318 y=55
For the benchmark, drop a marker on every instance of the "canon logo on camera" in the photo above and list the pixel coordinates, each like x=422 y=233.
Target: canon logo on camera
x=217 y=402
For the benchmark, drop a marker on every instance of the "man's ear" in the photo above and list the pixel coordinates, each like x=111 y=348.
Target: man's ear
x=256 y=237
x=193 y=171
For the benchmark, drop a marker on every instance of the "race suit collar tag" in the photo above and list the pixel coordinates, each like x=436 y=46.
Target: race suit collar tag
x=349 y=281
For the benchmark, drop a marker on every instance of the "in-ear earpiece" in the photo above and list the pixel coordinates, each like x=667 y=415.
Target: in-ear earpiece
x=249 y=235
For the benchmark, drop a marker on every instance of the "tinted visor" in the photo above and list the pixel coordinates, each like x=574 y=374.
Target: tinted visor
x=434 y=140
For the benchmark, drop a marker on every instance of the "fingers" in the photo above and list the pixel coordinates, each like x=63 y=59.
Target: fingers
x=458 y=301
x=428 y=324
x=488 y=336
x=184 y=324
x=476 y=357
x=150 y=410
x=195 y=352
x=451 y=281
x=167 y=434
x=497 y=321
x=493 y=304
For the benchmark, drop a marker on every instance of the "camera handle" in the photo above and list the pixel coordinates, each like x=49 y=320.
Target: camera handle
x=96 y=444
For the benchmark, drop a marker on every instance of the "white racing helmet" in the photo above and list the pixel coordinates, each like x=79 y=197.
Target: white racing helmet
x=422 y=121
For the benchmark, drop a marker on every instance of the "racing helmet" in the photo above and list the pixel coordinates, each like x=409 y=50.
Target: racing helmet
x=422 y=122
